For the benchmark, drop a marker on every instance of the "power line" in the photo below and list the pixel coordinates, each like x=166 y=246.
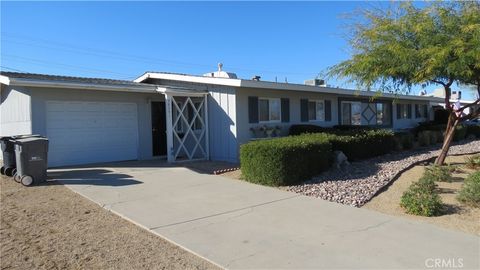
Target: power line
x=75 y=67
x=126 y=57
x=12 y=69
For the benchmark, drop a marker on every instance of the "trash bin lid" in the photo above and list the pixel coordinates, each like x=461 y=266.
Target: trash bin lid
x=16 y=137
x=30 y=140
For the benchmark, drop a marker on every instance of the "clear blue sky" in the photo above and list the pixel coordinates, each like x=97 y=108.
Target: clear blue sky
x=124 y=39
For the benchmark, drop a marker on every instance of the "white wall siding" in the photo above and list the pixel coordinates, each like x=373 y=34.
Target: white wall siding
x=244 y=134
x=222 y=115
x=15 y=111
x=413 y=121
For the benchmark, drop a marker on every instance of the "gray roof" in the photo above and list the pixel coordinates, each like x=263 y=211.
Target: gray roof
x=46 y=77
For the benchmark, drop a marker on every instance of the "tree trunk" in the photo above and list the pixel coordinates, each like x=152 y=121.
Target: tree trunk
x=450 y=131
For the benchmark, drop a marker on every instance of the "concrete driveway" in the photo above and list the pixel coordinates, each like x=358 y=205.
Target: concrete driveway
x=238 y=225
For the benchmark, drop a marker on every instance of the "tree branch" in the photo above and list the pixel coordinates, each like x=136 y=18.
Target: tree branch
x=449 y=83
x=470 y=116
x=439 y=82
x=468 y=105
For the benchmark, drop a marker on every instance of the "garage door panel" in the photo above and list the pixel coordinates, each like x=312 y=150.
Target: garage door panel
x=89 y=132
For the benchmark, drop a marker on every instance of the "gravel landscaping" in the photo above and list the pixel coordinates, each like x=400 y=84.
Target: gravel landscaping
x=359 y=182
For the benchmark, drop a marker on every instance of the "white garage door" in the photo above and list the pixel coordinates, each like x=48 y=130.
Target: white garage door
x=89 y=132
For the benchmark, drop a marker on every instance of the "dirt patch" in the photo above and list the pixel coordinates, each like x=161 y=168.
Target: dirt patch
x=51 y=227
x=457 y=216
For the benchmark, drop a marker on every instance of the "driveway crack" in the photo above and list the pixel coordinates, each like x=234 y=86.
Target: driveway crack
x=225 y=212
x=368 y=228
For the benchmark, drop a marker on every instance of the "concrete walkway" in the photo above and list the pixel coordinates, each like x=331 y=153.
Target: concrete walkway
x=238 y=225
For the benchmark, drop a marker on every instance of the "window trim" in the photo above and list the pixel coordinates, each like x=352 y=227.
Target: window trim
x=316 y=103
x=269 y=114
x=351 y=111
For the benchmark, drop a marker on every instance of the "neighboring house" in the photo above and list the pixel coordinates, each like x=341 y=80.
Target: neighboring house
x=455 y=98
x=181 y=117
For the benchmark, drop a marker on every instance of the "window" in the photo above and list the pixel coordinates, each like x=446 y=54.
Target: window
x=383 y=114
x=380 y=113
x=403 y=111
x=197 y=124
x=269 y=110
x=420 y=110
x=316 y=110
x=351 y=113
x=176 y=112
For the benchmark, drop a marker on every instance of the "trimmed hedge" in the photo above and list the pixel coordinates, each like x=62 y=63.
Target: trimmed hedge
x=354 y=128
x=337 y=130
x=440 y=116
x=287 y=160
x=302 y=129
x=473 y=130
x=430 y=126
x=291 y=160
x=424 y=137
x=404 y=140
x=364 y=144
x=460 y=133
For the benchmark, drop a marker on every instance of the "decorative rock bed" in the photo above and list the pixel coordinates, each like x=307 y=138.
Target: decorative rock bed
x=357 y=183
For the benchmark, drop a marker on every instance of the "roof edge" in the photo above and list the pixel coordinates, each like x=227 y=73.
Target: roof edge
x=189 y=78
x=66 y=84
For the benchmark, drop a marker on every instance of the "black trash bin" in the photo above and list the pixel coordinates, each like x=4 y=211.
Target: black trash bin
x=8 y=150
x=32 y=159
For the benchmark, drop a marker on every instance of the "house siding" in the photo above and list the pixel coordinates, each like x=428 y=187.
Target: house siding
x=413 y=120
x=40 y=96
x=222 y=111
x=244 y=134
x=222 y=124
x=15 y=111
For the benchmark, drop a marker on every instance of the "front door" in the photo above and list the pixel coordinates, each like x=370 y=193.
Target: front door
x=159 y=135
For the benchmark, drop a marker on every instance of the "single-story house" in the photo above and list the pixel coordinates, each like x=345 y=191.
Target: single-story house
x=182 y=117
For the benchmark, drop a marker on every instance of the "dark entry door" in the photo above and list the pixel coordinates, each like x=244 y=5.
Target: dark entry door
x=159 y=134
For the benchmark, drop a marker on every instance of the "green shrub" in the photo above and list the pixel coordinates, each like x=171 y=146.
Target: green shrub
x=302 y=129
x=470 y=192
x=434 y=136
x=473 y=130
x=422 y=199
x=431 y=126
x=354 y=128
x=440 y=116
x=424 y=138
x=473 y=162
x=439 y=136
x=364 y=144
x=460 y=133
x=287 y=160
x=439 y=173
x=404 y=140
